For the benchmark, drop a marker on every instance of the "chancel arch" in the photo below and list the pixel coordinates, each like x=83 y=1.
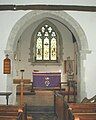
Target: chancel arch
x=66 y=26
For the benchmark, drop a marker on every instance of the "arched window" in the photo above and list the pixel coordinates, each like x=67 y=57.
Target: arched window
x=46 y=43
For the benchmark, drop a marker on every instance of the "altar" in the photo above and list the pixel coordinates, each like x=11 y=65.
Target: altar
x=46 y=80
x=39 y=92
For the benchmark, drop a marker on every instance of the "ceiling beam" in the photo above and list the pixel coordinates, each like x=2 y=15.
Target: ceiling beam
x=48 y=7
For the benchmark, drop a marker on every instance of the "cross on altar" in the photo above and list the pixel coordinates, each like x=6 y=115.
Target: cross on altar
x=21 y=82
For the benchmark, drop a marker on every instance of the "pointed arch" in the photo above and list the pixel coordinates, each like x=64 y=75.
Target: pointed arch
x=34 y=16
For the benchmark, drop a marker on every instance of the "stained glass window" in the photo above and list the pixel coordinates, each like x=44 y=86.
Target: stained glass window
x=46 y=44
x=46 y=49
x=53 y=49
x=39 y=49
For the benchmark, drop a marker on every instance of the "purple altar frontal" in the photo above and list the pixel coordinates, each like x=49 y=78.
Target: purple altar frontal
x=46 y=80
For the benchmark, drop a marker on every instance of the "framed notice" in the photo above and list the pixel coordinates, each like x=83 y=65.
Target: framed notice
x=7 y=65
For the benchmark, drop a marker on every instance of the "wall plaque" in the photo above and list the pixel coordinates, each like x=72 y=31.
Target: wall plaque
x=7 y=65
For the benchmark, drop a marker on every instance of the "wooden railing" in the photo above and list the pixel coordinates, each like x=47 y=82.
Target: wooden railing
x=70 y=90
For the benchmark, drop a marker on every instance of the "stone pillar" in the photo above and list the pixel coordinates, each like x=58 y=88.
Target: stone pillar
x=81 y=75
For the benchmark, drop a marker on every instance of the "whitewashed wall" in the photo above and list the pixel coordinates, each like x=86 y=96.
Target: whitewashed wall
x=86 y=21
x=7 y=21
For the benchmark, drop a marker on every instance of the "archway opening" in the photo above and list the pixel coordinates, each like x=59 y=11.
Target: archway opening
x=70 y=26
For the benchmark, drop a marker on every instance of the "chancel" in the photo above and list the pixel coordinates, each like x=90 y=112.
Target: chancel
x=48 y=59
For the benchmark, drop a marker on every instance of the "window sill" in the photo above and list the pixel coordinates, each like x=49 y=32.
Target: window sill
x=46 y=64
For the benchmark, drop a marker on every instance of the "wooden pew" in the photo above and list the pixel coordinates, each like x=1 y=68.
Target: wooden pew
x=13 y=112
x=81 y=111
x=84 y=111
x=11 y=117
x=83 y=107
x=85 y=116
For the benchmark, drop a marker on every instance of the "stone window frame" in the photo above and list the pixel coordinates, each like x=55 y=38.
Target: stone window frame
x=33 y=48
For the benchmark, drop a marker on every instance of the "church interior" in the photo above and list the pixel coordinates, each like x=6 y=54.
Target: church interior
x=46 y=64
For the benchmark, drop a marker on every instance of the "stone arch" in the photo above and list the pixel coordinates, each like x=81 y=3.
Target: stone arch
x=60 y=16
x=64 y=19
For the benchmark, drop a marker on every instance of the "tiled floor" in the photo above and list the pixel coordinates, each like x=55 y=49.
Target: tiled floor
x=41 y=112
x=43 y=116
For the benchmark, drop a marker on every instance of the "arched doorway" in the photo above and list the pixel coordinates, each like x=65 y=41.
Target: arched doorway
x=65 y=20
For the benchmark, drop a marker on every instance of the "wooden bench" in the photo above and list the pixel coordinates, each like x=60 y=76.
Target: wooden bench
x=84 y=111
x=11 y=117
x=81 y=111
x=83 y=107
x=85 y=116
x=13 y=112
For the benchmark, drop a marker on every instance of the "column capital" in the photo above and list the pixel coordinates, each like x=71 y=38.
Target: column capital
x=83 y=53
